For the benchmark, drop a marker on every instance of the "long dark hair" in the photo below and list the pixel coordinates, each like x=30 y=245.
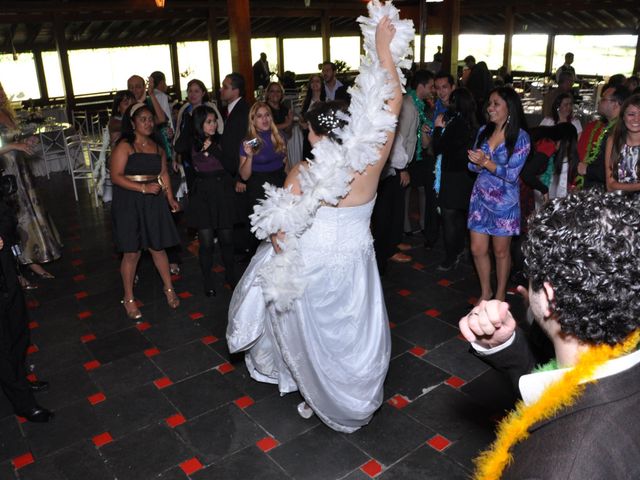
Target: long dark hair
x=463 y=106
x=198 y=116
x=309 y=96
x=128 y=133
x=620 y=134
x=515 y=120
x=556 y=106
x=324 y=118
x=119 y=97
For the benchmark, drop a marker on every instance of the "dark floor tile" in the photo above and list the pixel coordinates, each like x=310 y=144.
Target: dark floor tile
x=67 y=386
x=125 y=374
x=118 y=345
x=390 y=435
x=319 y=454
x=425 y=331
x=400 y=309
x=59 y=357
x=411 y=376
x=70 y=425
x=220 y=433
x=63 y=329
x=357 y=475
x=12 y=443
x=243 y=382
x=425 y=464
x=79 y=461
x=399 y=345
x=145 y=453
x=187 y=360
x=7 y=471
x=108 y=321
x=247 y=464
x=175 y=473
x=465 y=450
x=279 y=416
x=201 y=393
x=453 y=314
x=133 y=410
x=454 y=357
x=168 y=334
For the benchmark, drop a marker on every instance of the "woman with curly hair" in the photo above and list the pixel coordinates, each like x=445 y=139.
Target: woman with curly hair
x=622 y=154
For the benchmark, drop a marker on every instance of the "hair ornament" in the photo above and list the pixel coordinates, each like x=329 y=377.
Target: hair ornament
x=135 y=108
x=329 y=120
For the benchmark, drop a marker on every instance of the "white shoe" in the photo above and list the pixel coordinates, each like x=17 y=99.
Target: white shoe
x=305 y=410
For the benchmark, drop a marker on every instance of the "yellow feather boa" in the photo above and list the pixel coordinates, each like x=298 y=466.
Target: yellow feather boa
x=561 y=394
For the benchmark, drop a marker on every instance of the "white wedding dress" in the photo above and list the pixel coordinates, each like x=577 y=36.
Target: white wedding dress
x=334 y=343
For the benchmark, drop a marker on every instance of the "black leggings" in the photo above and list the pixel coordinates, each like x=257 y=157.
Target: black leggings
x=454 y=226
x=205 y=254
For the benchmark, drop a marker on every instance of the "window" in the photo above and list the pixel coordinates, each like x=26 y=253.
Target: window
x=346 y=49
x=431 y=44
x=19 y=77
x=487 y=48
x=193 y=61
x=302 y=55
x=529 y=52
x=107 y=69
x=597 y=54
x=224 y=59
x=268 y=46
x=53 y=74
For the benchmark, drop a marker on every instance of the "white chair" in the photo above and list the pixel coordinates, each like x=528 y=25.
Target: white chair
x=80 y=163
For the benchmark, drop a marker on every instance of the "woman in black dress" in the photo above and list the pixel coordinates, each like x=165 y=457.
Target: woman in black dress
x=140 y=213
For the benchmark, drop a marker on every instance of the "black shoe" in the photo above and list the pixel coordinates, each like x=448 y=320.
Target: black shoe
x=39 y=386
x=37 y=414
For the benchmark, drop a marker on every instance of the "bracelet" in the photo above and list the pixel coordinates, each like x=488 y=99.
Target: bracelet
x=484 y=164
x=144 y=189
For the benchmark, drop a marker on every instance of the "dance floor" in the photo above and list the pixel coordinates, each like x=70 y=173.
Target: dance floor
x=164 y=399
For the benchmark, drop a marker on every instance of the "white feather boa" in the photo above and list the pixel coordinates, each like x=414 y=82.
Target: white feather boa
x=329 y=175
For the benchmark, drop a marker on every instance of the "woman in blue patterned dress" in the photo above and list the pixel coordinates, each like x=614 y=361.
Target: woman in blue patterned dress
x=494 y=210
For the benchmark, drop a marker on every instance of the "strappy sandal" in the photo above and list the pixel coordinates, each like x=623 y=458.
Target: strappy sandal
x=133 y=313
x=172 y=299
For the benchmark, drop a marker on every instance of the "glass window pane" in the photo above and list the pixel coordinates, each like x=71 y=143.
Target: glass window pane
x=107 y=69
x=487 y=48
x=603 y=55
x=19 y=77
x=302 y=55
x=431 y=44
x=53 y=74
x=346 y=49
x=193 y=61
x=224 y=59
x=529 y=52
x=268 y=46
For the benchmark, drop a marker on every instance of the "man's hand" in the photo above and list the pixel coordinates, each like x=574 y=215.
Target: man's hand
x=405 y=178
x=582 y=168
x=489 y=325
x=241 y=187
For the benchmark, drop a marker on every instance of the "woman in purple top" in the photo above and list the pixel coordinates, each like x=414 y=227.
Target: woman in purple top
x=263 y=156
x=212 y=197
x=494 y=210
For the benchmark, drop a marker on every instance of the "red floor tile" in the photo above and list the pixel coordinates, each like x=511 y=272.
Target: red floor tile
x=32 y=377
x=218 y=269
x=225 y=368
x=92 y=365
x=417 y=266
x=143 y=326
x=32 y=349
x=191 y=466
x=77 y=262
x=21 y=419
x=418 y=351
x=151 y=352
x=438 y=443
x=75 y=249
x=175 y=420
x=32 y=303
x=398 y=401
x=81 y=295
x=404 y=292
x=196 y=315
x=392 y=325
x=87 y=338
x=267 y=443
x=208 y=340
x=80 y=277
x=102 y=439
x=96 y=398
x=433 y=312
x=184 y=295
x=23 y=460
x=455 y=382
x=163 y=382
x=371 y=468
x=444 y=282
x=244 y=402
x=175 y=278
x=85 y=314
x=33 y=325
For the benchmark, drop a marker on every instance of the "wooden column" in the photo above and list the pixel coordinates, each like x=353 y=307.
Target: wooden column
x=450 y=32
x=214 y=63
x=280 y=53
x=175 y=69
x=508 y=37
x=240 y=36
x=636 y=62
x=422 y=31
x=325 y=30
x=548 y=63
x=42 y=80
x=61 y=47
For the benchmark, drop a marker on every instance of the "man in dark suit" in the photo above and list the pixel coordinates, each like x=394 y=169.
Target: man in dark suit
x=583 y=261
x=235 y=129
x=14 y=331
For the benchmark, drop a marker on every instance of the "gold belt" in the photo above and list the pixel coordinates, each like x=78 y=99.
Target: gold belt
x=142 y=178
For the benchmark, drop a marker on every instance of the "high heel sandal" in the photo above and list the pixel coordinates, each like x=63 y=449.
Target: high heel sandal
x=133 y=313
x=172 y=299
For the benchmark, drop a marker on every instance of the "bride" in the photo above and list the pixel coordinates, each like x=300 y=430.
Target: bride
x=309 y=310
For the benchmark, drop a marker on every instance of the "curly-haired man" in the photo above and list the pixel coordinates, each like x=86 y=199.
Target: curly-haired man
x=581 y=413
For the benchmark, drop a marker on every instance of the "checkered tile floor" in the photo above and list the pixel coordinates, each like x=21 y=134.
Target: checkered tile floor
x=164 y=399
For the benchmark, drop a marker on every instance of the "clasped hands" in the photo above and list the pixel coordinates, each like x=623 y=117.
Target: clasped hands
x=489 y=324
